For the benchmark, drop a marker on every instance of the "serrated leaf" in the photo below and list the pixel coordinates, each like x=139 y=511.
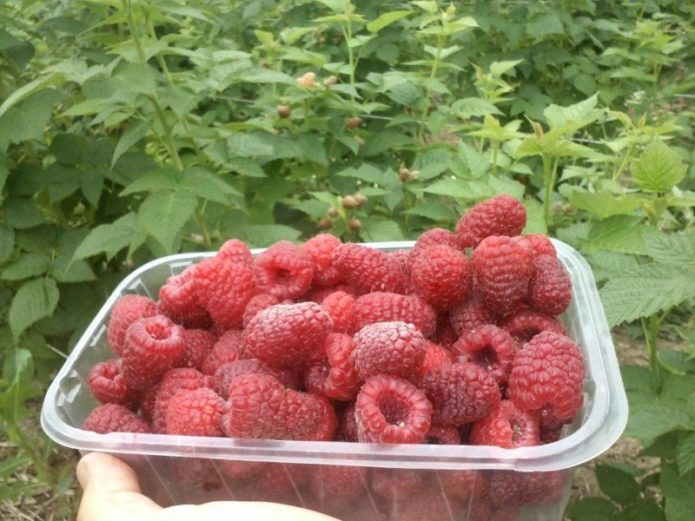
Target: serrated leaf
x=249 y=145
x=535 y=221
x=645 y=291
x=156 y=181
x=672 y=248
x=108 y=238
x=370 y=174
x=386 y=19
x=262 y=235
x=376 y=230
x=591 y=509
x=64 y=269
x=6 y=243
x=658 y=169
x=432 y=209
x=675 y=485
x=163 y=214
x=603 y=204
x=617 y=484
x=449 y=187
x=685 y=454
x=386 y=140
x=622 y=234
x=499 y=68
x=245 y=167
x=578 y=115
x=640 y=510
x=129 y=138
x=678 y=509
x=649 y=420
x=33 y=301
x=28 y=265
x=208 y=185
x=21 y=213
x=470 y=107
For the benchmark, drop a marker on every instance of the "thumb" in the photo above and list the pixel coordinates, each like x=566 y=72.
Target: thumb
x=111 y=491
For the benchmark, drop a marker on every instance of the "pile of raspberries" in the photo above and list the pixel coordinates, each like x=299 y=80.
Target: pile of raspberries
x=454 y=341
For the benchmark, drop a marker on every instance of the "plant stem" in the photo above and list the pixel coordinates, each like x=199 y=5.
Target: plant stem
x=433 y=74
x=347 y=34
x=623 y=163
x=200 y=219
x=549 y=172
x=495 y=149
x=650 y=329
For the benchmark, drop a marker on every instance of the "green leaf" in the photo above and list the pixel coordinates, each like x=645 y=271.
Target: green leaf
x=6 y=243
x=386 y=19
x=21 y=213
x=263 y=235
x=386 y=140
x=248 y=145
x=208 y=185
x=473 y=107
x=163 y=214
x=675 y=485
x=641 y=510
x=33 y=301
x=156 y=181
x=672 y=248
x=658 y=169
x=685 y=454
x=376 y=230
x=108 y=238
x=649 y=420
x=604 y=204
x=591 y=509
x=544 y=24
x=129 y=138
x=622 y=234
x=679 y=509
x=451 y=188
x=370 y=174
x=645 y=291
x=28 y=119
x=28 y=265
x=64 y=269
x=577 y=116
x=245 y=167
x=535 y=221
x=432 y=209
x=617 y=484
x=68 y=149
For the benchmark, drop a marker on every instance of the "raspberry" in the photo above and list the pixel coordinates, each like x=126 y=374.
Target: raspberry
x=517 y=489
x=196 y=412
x=335 y=377
x=506 y=427
x=387 y=307
x=444 y=335
x=548 y=374
x=107 y=384
x=489 y=347
x=541 y=244
x=550 y=430
x=229 y=347
x=202 y=481
x=394 y=348
x=435 y=356
x=223 y=289
x=283 y=478
x=348 y=424
x=443 y=435
x=153 y=345
x=423 y=505
x=241 y=469
x=470 y=314
x=227 y=372
x=320 y=250
x=392 y=410
x=433 y=237
x=466 y=485
x=284 y=270
x=112 y=417
x=441 y=276
x=402 y=257
x=526 y=324
x=198 y=342
x=337 y=486
x=460 y=393
x=318 y=294
x=146 y=403
x=500 y=215
x=393 y=485
x=368 y=270
x=341 y=307
x=484 y=510
x=127 y=310
x=235 y=250
x=257 y=304
x=172 y=382
x=550 y=291
x=503 y=271
x=287 y=335
x=260 y=407
x=178 y=301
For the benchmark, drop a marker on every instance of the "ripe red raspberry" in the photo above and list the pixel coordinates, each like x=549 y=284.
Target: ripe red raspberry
x=368 y=270
x=394 y=348
x=335 y=376
x=440 y=434
x=261 y=407
x=460 y=393
x=503 y=271
x=236 y=469
x=470 y=314
x=287 y=335
x=112 y=417
x=235 y=250
x=506 y=427
x=500 y=215
x=227 y=348
x=146 y=403
x=485 y=509
x=107 y=384
x=178 y=300
x=223 y=289
x=517 y=489
x=199 y=342
x=433 y=237
x=548 y=374
x=393 y=485
x=347 y=430
x=284 y=270
x=153 y=345
x=196 y=412
x=228 y=372
x=541 y=244
x=435 y=356
x=550 y=291
x=441 y=276
x=318 y=294
x=257 y=304
x=281 y=478
x=424 y=504
x=550 y=430
x=127 y=310
x=320 y=249
x=466 y=485
x=403 y=259
x=388 y=307
x=172 y=382
x=523 y=326
x=203 y=482
x=444 y=335
x=341 y=307
x=336 y=486
x=389 y=409
x=489 y=347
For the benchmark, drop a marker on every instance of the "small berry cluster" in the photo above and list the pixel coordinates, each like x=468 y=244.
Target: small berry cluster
x=455 y=341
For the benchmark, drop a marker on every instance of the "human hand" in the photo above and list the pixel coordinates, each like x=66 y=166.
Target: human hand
x=112 y=493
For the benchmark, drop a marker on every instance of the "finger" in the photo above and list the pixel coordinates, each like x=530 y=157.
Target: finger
x=225 y=510
x=111 y=491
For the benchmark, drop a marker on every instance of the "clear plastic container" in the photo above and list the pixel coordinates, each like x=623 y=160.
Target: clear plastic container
x=388 y=482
